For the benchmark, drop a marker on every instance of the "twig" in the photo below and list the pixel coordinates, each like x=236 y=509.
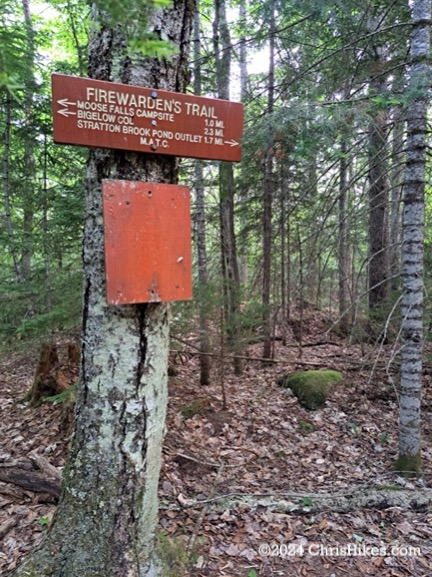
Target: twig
x=213 y=465
x=7 y=526
x=226 y=356
x=383 y=337
x=200 y=519
x=44 y=465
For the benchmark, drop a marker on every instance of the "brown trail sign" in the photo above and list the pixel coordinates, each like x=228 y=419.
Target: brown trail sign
x=102 y=114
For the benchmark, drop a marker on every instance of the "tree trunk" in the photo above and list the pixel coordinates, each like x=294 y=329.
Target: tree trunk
x=268 y=201
x=230 y=271
x=311 y=272
x=200 y=222
x=243 y=238
x=45 y=228
x=409 y=458
x=73 y=27
x=378 y=192
x=5 y=185
x=29 y=180
x=396 y=177
x=343 y=270
x=283 y=257
x=106 y=520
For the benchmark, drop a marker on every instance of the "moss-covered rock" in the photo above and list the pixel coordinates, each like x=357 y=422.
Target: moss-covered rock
x=311 y=387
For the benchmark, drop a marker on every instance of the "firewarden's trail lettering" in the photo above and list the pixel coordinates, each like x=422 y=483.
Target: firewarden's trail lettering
x=109 y=115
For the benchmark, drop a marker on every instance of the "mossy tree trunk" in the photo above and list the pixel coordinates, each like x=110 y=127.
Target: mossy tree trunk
x=412 y=247
x=107 y=514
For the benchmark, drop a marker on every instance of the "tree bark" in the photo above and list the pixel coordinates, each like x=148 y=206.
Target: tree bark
x=343 y=272
x=200 y=220
x=78 y=47
x=230 y=270
x=5 y=185
x=243 y=237
x=107 y=514
x=378 y=189
x=409 y=458
x=268 y=200
x=29 y=181
x=396 y=177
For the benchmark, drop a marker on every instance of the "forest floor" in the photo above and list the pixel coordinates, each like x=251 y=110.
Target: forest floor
x=263 y=443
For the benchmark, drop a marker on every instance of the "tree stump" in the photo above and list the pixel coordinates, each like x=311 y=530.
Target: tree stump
x=49 y=379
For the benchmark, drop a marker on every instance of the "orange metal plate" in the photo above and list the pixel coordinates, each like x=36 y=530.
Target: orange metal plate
x=103 y=114
x=147 y=242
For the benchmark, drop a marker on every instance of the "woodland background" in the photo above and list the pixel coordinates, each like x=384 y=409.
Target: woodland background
x=310 y=217
x=297 y=246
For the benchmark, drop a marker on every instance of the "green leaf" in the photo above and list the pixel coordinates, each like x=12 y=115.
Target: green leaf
x=62 y=397
x=383 y=437
x=151 y=47
x=353 y=428
x=252 y=573
x=306 y=501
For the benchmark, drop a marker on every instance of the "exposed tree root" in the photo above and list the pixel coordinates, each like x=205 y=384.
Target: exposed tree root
x=371 y=497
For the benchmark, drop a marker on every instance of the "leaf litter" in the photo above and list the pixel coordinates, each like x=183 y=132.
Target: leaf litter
x=262 y=443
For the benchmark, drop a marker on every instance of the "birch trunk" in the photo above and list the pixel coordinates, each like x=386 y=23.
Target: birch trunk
x=409 y=459
x=107 y=515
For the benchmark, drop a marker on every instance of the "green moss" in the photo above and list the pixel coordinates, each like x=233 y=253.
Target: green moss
x=172 y=553
x=306 y=427
x=311 y=387
x=63 y=397
x=29 y=569
x=197 y=406
x=408 y=465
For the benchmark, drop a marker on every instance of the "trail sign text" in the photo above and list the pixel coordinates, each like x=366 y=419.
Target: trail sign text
x=109 y=115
